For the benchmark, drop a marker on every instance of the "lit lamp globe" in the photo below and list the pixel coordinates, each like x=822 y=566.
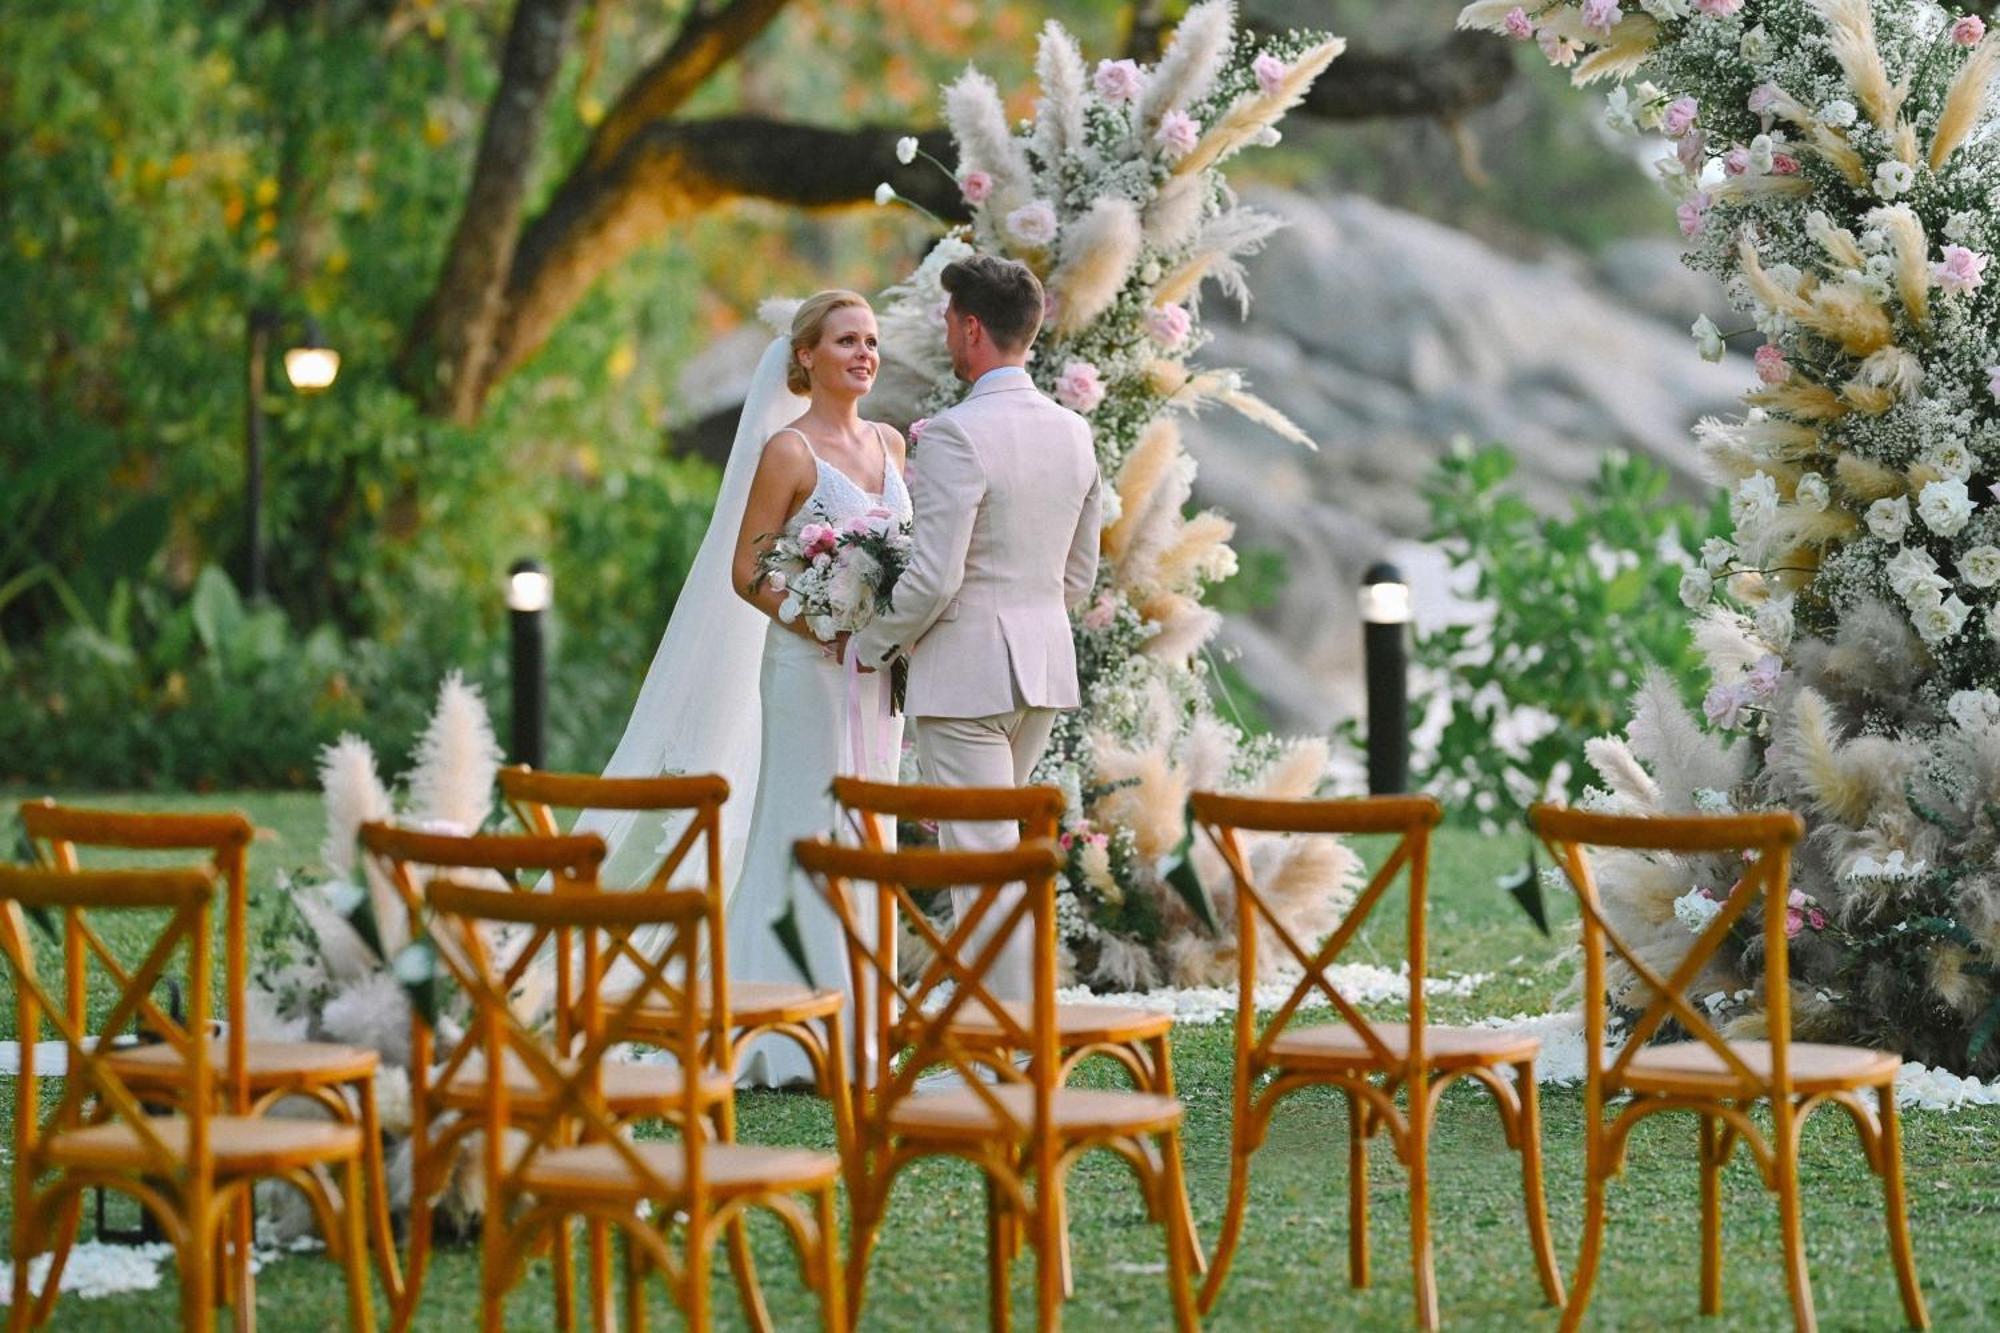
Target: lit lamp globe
x=312 y=365
x=1385 y=598
x=528 y=586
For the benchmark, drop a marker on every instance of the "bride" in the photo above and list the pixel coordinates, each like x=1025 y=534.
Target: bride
x=736 y=690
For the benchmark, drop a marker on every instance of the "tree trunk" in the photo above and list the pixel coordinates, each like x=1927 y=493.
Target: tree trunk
x=445 y=360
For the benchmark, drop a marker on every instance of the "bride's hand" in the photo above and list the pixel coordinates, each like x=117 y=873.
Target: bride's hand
x=840 y=654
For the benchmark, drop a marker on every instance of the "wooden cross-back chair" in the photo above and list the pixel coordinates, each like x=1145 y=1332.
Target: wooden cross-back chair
x=448 y=1087
x=258 y=1074
x=189 y=1167
x=579 y=1158
x=1369 y=1060
x=810 y=1018
x=1020 y=1125
x=1135 y=1038
x=1717 y=1078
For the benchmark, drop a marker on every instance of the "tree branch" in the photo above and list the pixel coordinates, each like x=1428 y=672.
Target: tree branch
x=703 y=45
x=1461 y=73
x=450 y=343
x=675 y=170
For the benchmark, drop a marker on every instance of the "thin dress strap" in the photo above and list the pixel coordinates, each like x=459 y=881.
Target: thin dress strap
x=803 y=439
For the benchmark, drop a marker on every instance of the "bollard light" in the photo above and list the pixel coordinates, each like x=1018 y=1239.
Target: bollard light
x=1385 y=655
x=529 y=592
x=312 y=365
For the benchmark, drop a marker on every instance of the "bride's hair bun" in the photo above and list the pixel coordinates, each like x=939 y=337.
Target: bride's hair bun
x=807 y=325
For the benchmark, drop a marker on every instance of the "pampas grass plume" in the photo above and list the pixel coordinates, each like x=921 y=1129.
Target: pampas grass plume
x=354 y=795
x=1187 y=71
x=1184 y=633
x=1966 y=100
x=1059 y=110
x=457 y=760
x=1851 y=35
x=1622 y=772
x=1098 y=253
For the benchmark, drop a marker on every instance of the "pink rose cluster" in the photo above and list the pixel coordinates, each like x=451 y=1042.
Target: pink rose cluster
x=1772 y=368
x=1168 y=325
x=1102 y=612
x=1693 y=214
x=818 y=539
x=1961 y=271
x=1080 y=387
x=1679 y=117
x=1118 y=80
x=1270 y=72
x=1719 y=9
x=1801 y=911
x=1178 y=134
x=1519 y=26
x=1725 y=704
x=976 y=186
x=1969 y=30
x=1601 y=16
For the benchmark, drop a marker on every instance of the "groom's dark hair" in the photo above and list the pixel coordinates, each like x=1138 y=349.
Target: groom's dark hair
x=1003 y=294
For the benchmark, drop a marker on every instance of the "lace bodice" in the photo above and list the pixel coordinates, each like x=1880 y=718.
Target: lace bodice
x=837 y=497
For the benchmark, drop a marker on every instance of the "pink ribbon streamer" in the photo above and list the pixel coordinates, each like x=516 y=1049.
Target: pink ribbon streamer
x=864 y=734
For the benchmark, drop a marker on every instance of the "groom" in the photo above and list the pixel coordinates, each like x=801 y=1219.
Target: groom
x=1006 y=497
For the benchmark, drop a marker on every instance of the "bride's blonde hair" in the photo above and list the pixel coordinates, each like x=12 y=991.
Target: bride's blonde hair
x=809 y=323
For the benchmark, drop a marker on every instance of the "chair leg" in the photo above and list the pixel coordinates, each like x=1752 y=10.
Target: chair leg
x=1423 y=1264
x=1531 y=1182
x=1897 y=1212
x=597 y=1234
x=832 y=1287
x=562 y=1266
x=741 y=1266
x=198 y=1275
x=43 y=1305
x=1048 y=1242
x=1593 y=1240
x=1711 y=1217
x=635 y=1285
x=1059 y=1200
x=1791 y=1225
x=1162 y=1063
x=700 y=1316
x=354 y=1247
x=1219 y=1258
x=420 y=1246
x=381 y=1229
x=1182 y=1252
x=1357 y=1191
x=996 y=1258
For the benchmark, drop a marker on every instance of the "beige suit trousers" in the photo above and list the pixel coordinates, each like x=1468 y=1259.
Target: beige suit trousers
x=996 y=751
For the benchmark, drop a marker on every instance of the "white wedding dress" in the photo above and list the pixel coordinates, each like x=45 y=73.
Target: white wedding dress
x=732 y=694
x=806 y=741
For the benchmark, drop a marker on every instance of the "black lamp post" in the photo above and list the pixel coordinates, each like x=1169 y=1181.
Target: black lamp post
x=310 y=366
x=529 y=591
x=1385 y=655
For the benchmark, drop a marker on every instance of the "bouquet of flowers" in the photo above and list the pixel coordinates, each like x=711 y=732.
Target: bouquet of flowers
x=836 y=575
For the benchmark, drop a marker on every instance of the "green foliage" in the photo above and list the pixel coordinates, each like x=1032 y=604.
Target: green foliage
x=1581 y=605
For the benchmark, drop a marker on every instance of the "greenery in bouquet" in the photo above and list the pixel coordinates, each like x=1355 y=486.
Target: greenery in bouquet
x=1836 y=163
x=1114 y=194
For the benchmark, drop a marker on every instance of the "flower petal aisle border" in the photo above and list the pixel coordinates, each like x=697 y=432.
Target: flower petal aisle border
x=1114 y=195
x=1836 y=163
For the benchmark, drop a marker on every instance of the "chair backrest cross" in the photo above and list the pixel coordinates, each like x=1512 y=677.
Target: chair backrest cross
x=1223 y=819
x=955 y=978
x=92 y=1090
x=57 y=833
x=1749 y=856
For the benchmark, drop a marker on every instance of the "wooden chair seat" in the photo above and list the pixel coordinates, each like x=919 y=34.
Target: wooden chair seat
x=753 y=1004
x=243 y=1145
x=598 y=1171
x=1695 y=1068
x=1339 y=1046
x=268 y=1064
x=629 y=1089
x=1076 y=1024
x=1079 y=1113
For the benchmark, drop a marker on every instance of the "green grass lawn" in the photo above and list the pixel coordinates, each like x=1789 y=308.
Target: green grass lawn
x=1291 y=1270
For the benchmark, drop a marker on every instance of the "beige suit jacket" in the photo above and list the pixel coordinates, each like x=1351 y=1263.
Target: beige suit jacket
x=1005 y=492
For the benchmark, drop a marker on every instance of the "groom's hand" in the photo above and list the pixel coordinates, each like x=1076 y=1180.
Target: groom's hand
x=840 y=653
